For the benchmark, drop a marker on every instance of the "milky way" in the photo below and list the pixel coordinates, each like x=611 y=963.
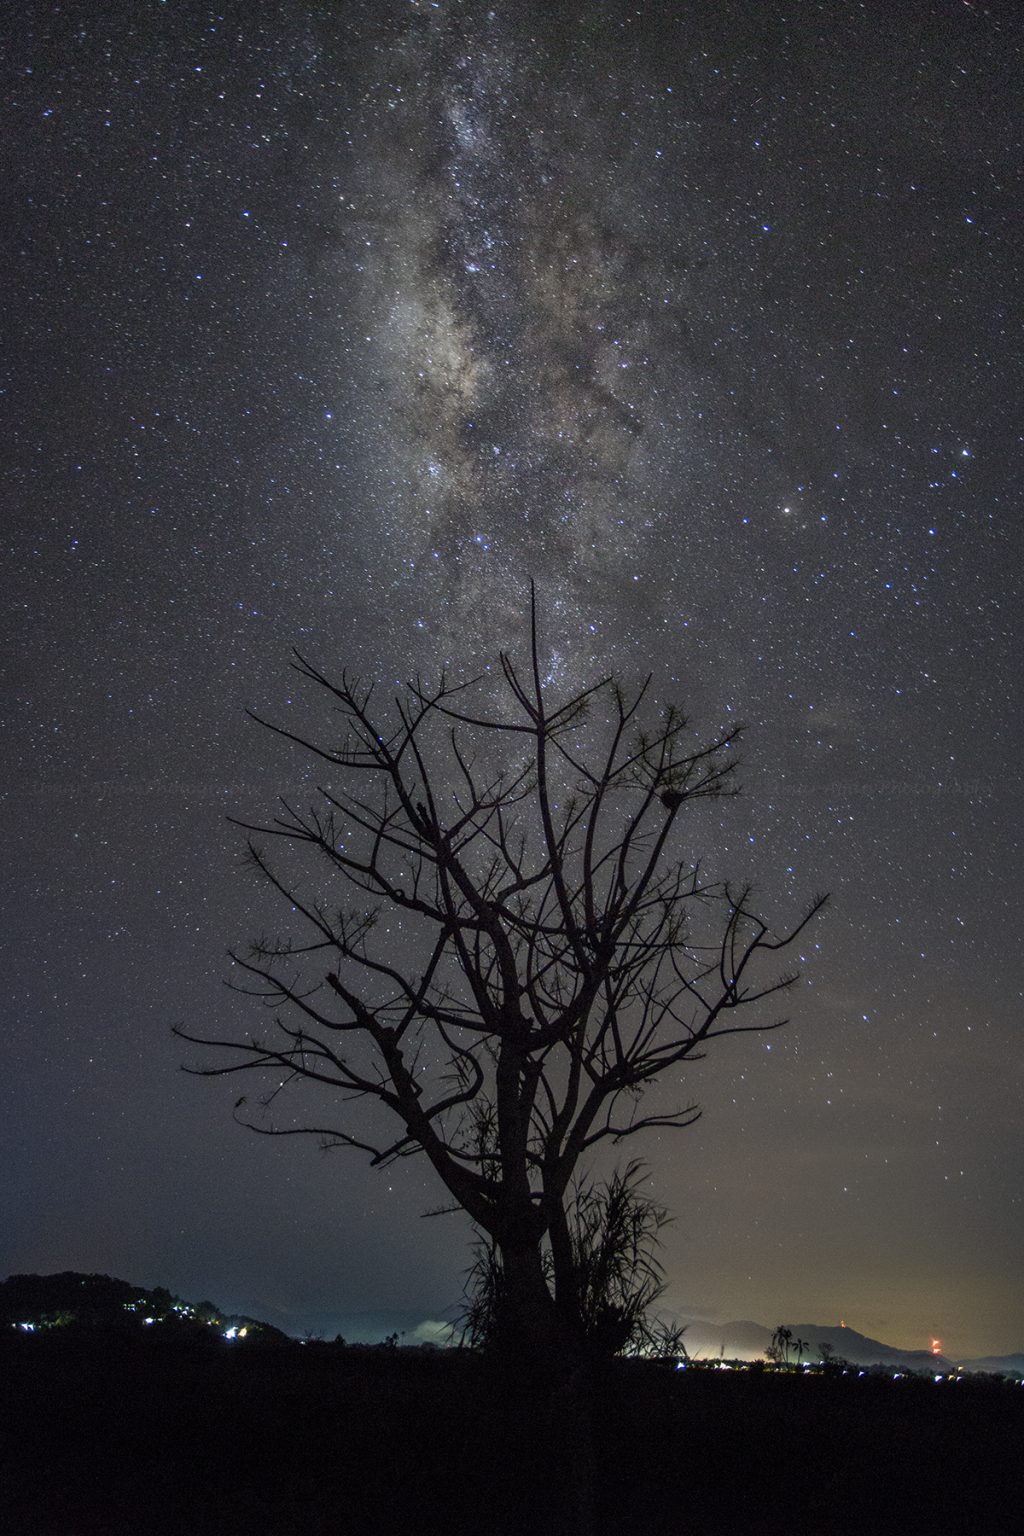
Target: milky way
x=518 y=323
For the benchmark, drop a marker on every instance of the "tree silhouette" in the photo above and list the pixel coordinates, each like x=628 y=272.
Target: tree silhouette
x=799 y=1345
x=527 y=951
x=778 y=1349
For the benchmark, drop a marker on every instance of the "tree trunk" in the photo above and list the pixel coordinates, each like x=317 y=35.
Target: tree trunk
x=528 y=1320
x=567 y=1290
x=544 y=1348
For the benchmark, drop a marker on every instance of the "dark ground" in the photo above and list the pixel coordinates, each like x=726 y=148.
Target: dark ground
x=123 y=1436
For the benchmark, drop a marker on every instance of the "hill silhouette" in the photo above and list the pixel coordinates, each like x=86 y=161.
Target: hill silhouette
x=74 y=1301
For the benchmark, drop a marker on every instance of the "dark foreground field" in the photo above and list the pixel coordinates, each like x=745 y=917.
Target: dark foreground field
x=126 y=1437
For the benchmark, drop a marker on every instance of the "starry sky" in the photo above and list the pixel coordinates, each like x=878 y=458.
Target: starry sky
x=327 y=325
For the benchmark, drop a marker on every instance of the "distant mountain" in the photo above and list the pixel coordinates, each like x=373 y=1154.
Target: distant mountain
x=856 y=1347
x=35 y=1303
x=750 y=1341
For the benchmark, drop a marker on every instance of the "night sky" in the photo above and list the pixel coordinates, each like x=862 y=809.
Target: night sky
x=327 y=325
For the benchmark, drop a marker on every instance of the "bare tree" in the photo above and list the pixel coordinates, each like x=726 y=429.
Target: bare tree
x=526 y=953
